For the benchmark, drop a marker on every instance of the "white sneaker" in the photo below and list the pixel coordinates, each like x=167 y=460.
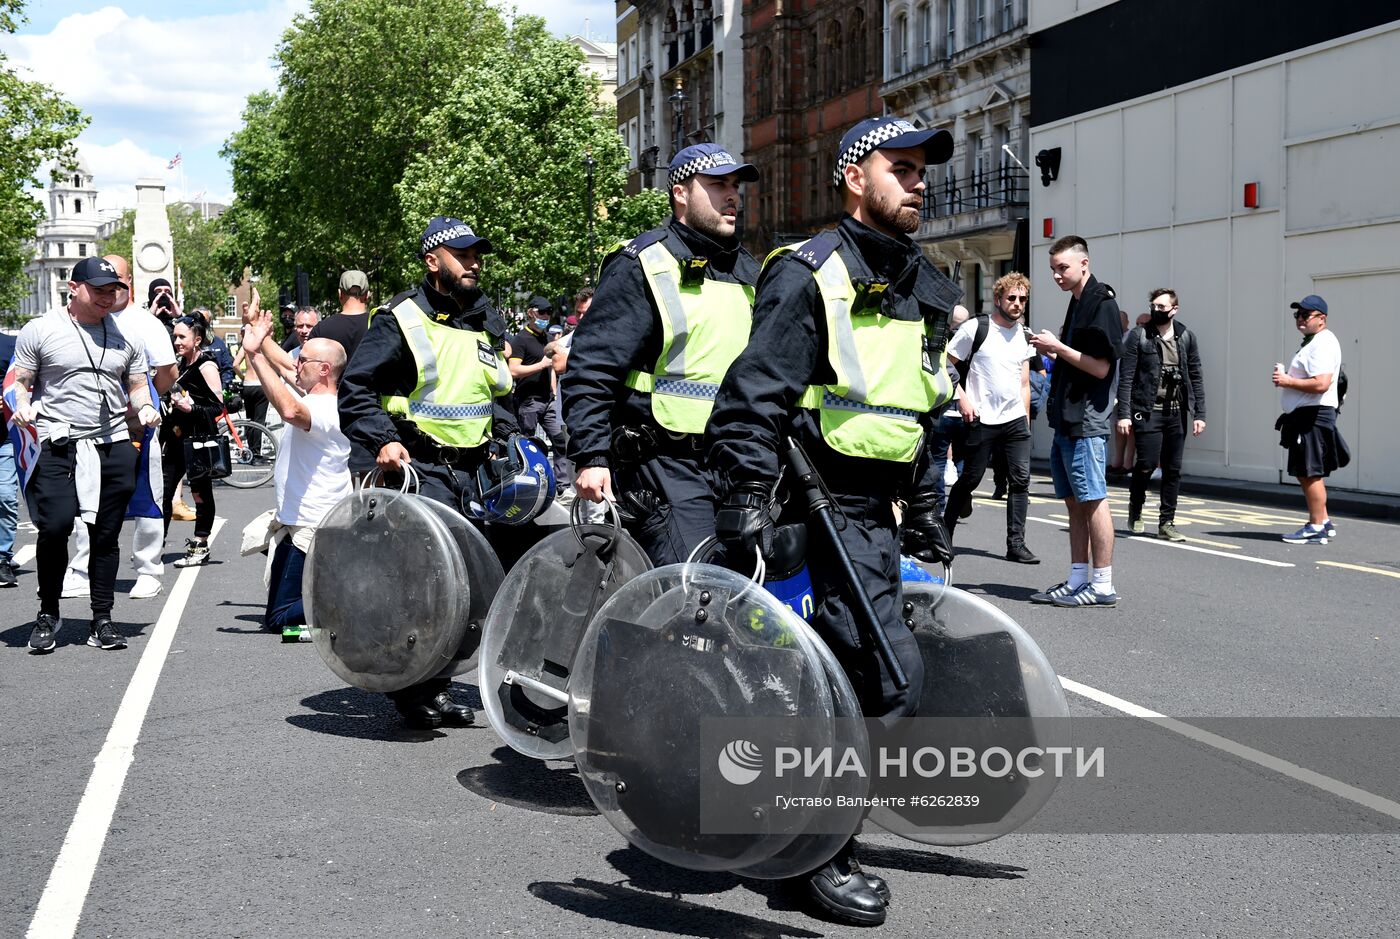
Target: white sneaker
x=146 y=587
x=74 y=585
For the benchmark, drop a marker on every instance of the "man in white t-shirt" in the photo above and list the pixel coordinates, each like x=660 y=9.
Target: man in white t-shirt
x=1308 y=425
x=994 y=399
x=312 y=471
x=144 y=329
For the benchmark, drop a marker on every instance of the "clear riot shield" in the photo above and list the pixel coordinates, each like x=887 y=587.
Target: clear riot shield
x=483 y=579
x=386 y=590
x=686 y=683
x=986 y=684
x=534 y=627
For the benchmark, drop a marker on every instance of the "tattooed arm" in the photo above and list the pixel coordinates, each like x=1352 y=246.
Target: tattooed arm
x=139 y=394
x=25 y=409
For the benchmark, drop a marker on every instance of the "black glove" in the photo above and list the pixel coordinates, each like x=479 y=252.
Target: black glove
x=925 y=537
x=744 y=520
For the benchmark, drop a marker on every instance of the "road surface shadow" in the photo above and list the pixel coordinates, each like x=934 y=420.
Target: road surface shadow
x=930 y=862
x=529 y=784
x=1004 y=591
x=625 y=906
x=73 y=632
x=361 y=715
x=656 y=876
x=1274 y=536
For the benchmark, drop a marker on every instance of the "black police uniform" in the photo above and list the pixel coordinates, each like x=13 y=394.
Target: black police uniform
x=756 y=410
x=659 y=478
x=383 y=365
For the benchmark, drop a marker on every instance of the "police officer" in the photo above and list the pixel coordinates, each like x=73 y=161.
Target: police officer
x=428 y=386
x=671 y=312
x=847 y=356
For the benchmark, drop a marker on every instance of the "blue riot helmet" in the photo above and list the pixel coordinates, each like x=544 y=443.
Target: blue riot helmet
x=517 y=485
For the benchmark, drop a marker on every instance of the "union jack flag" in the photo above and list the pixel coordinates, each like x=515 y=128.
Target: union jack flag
x=24 y=440
x=174 y=162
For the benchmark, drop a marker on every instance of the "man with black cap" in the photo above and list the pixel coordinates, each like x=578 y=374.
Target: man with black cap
x=532 y=368
x=671 y=312
x=160 y=300
x=848 y=357
x=76 y=378
x=428 y=386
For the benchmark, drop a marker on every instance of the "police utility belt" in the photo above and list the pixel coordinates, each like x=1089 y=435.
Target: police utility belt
x=638 y=444
x=422 y=447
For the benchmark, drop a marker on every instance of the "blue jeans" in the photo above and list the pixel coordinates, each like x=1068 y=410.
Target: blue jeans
x=9 y=500
x=947 y=431
x=284 y=602
x=1077 y=467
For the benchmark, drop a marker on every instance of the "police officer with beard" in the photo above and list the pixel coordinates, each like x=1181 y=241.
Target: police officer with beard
x=847 y=357
x=671 y=312
x=443 y=425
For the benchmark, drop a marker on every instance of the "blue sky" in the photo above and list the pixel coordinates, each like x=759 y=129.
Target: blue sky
x=162 y=78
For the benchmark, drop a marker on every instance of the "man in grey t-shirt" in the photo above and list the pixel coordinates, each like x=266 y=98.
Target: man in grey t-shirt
x=76 y=377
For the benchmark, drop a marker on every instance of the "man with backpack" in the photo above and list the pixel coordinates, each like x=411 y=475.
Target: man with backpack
x=991 y=355
x=1160 y=386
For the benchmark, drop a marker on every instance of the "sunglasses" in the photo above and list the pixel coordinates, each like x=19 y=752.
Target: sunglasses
x=1306 y=314
x=1012 y=298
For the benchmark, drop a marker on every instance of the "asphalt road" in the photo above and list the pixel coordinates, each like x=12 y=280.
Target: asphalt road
x=256 y=795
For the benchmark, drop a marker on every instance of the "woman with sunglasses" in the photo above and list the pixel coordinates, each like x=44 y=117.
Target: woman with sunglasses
x=196 y=401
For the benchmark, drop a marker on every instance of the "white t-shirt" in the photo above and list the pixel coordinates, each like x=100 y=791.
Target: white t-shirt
x=994 y=375
x=1321 y=356
x=312 y=470
x=145 y=330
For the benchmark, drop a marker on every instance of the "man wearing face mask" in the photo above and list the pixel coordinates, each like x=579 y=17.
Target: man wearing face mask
x=417 y=393
x=1160 y=388
x=848 y=356
x=992 y=356
x=671 y=312
x=532 y=367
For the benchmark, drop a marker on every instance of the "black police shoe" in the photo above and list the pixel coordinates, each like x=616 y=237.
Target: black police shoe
x=419 y=715
x=457 y=715
x=876 y=882
x=845 y=894
x=103 y=635
x=42 y=638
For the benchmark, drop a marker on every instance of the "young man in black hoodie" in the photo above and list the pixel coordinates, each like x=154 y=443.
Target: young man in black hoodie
x=1081 y=412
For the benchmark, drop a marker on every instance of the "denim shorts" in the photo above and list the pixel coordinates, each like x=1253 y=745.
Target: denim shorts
x=1077 y=467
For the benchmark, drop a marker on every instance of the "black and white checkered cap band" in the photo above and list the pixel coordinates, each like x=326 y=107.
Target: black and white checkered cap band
x=707 y=162
x=437 y=239
x=868 y=141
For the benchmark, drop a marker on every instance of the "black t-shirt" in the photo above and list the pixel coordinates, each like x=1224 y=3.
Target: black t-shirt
x=529 y=349
x=345 y=328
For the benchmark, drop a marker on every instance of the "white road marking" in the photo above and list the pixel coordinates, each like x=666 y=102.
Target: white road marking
x=1181 y=547
x=61 y=905
x=1283 y=767
x=24 y=555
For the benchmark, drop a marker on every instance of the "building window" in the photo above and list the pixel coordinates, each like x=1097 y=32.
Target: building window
x=950 y=27
x=765 y=82
x=855 y=49
x=77 y=206
x=901 y=40
x=834 y=59
x=77 y=182
x=813 y=74
x=63 y=274
x=635 y=133
x=1008 y=15
x=979 y=21
x=923 y=19
x=623 y=66
x=82 y=249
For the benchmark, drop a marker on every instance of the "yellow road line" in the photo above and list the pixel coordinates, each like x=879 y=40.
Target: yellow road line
x=1363 y=569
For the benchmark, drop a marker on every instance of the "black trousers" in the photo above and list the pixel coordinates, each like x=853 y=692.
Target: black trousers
x=172 y=457
x=255 y=407
x=674 y=507
x=1009 y=443
x=535 y=415
x=1162 y=440
x=53 y=508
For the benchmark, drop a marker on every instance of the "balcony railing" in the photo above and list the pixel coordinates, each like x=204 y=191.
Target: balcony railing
x=1003 y=186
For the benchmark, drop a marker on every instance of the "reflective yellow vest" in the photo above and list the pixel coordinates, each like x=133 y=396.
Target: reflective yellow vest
x=703 y=329
x=459 y=373
x=888 y=374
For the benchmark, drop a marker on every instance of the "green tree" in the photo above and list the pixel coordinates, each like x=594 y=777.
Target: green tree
x=507 y=154
x=198 y=247
x=36 y=127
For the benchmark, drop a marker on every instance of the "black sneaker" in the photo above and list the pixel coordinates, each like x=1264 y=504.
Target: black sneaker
x=196 y=553
x=46 y=627
x=9 y=576
x=1021 y=554
x=103 y=635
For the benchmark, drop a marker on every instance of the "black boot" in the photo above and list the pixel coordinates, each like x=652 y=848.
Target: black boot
x=419 y=715
x=842 y=891
x=457 y=715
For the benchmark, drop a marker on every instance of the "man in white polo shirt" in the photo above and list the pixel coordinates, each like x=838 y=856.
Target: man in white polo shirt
x=994 y=399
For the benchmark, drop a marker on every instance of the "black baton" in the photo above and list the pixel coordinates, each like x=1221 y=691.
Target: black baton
x=812 y=489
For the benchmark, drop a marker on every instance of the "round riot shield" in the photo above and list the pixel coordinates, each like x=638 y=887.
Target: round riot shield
x=534 y=626
x=386 y=590
x=484 y=576
x=989 y=693
x=697 y=706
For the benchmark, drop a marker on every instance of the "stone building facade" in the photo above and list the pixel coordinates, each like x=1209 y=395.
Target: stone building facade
x=70 y=232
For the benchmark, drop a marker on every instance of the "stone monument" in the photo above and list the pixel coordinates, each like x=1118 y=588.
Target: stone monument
x=150 y=241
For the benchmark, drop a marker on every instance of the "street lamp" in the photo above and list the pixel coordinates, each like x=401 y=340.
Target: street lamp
x=678 y=100
x=589 y=162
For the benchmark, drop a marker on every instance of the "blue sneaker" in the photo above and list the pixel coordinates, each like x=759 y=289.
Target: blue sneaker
x=1308 y=535
x=1087 y=596
x=1051 y=594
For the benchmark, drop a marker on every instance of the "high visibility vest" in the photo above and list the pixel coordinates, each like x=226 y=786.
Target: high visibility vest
x=704 y=327
x=888 y=374
x=459 y=373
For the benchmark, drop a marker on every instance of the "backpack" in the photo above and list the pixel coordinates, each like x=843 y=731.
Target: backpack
x=984 y=323
x=1341 y=386
x=1040 y=392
